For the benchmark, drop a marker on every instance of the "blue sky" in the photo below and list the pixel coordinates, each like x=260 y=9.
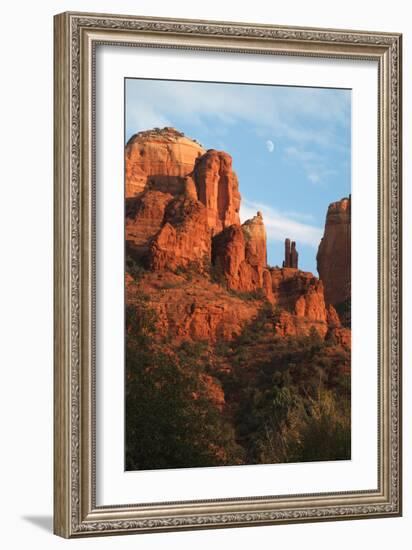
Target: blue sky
x=291 y=147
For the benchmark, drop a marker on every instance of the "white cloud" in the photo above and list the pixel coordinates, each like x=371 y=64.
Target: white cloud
x=311 y=163
x=301 y=155
x=306 y=122
x=314 y=177
x=282 y=225
x=287 y=112
x=299 y=216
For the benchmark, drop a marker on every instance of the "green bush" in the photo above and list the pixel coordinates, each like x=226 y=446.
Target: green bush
x=287 y=399
x=290 y=397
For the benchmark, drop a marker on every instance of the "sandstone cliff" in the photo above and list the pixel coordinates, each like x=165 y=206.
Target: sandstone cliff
x=300 y=298
x=177 y=196
x=255 y=236
x=206 y=273
x=161 y=158
x=184 y=238
x=334 y=255
x=239 y=256
x=217 y=188
x=192 y=308
x=216 y=338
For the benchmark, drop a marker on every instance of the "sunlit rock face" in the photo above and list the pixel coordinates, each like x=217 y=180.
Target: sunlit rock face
x=160 y=159
x=334 y=255
x=218 y=189
x=182 y=215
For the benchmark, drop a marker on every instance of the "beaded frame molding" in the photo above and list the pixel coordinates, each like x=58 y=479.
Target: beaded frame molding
x=75 y=38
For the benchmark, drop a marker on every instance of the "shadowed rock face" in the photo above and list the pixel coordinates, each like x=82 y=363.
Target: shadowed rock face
x=144 y=218
x=182 y=216
x=291 y=254
x=334 y=253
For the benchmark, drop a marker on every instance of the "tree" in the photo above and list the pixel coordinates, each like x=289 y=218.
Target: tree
x=170 y=420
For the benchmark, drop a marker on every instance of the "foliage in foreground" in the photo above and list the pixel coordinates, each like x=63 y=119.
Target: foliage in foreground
x=170 y=420
x=287 y=400
x=290 y=397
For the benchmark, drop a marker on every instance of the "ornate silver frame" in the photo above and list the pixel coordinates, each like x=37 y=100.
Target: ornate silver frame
x=76 y=36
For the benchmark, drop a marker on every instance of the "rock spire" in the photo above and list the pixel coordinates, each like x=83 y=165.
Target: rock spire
x=291 y=255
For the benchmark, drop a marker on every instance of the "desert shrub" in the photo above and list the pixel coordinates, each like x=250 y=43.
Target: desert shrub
x=299 y=429
x=140 y=323
x=168 y=285
x=194 y=267
x=257 y=294
x=134 y=269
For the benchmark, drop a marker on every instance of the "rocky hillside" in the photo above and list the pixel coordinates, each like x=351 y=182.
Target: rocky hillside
x=215 y=336
x=182 y=217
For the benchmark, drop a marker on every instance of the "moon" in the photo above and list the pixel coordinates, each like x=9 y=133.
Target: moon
x=270 y=145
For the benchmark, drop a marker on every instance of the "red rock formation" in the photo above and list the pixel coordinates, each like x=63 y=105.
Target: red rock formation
x=340 y=334
x=333 y=317
x=217 y=189
x=291 y=255
x=161 y=157
x=182 y=212
x=267 y=285
x=228 y=253
x=292 y=325
x=300 y=297
x=195 y=309
x=144 y=218
x=289 y=284
x=145 y=215
x=184 y=238
x=334 y=253
x=311 y=304
x=239 y=255
x=166 y=224
x=255 y=237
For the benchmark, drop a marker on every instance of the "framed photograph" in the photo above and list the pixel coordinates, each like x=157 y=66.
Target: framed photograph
x=227 y=274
